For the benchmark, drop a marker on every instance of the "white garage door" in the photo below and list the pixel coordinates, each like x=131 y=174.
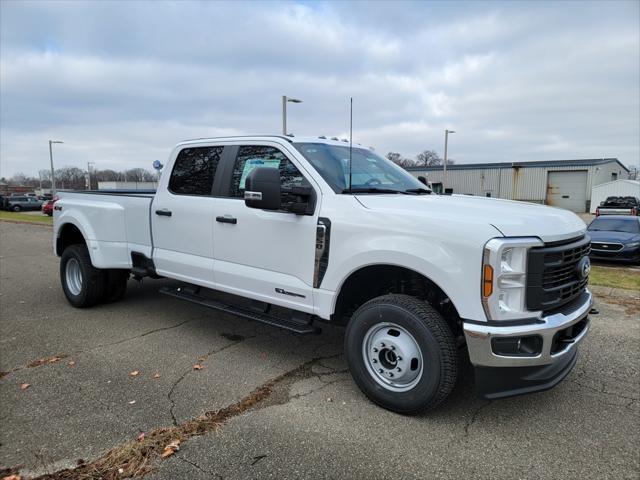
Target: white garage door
x=567 y=190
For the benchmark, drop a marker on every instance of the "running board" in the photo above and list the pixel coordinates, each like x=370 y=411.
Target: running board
x=300 y=327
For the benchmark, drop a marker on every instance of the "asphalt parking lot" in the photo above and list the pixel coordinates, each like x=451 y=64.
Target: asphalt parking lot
x=263 y=403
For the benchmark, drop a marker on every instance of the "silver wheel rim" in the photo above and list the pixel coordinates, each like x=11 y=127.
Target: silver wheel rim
x=73 y=275
x=392 y=356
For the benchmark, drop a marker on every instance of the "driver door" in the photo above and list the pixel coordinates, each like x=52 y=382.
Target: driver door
x=264 y=255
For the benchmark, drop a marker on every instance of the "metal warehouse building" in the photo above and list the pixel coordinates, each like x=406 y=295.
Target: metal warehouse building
x=561 y=183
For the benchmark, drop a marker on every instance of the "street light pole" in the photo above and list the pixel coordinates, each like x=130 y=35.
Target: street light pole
x=286 y=99
x=89 y=164
x=53 y=176
x=446 y=144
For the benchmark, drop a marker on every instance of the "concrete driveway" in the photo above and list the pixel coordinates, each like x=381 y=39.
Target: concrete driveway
x=263 y=403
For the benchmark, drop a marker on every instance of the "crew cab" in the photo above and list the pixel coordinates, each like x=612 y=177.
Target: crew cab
x=295 y=232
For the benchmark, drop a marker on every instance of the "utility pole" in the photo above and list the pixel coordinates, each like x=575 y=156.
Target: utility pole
x=444 y=174
x=286 y=99
x=53 y=175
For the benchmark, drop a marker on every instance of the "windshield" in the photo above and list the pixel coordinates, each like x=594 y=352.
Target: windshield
x=370 y=173
x=632 y=225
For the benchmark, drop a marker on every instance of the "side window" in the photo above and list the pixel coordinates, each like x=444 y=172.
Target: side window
x=252 y=156
x=194 y=170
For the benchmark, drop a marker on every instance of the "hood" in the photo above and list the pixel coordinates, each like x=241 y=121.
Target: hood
x=511 y=218
x=613 y=237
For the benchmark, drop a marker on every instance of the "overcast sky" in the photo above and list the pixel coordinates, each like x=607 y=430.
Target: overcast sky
x=121 y=82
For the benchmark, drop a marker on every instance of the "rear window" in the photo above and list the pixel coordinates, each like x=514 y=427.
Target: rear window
x=630 y=225
x=194 y=171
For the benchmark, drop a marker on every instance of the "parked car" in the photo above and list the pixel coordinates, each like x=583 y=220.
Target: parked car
x=619 y=206
x=615 y=238
x=18 y=204
x=47 y=206
x=326 y=233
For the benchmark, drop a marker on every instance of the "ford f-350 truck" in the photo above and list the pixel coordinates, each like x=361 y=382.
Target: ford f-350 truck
x=294 y=232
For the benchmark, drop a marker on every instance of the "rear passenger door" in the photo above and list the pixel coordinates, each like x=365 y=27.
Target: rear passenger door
x=182 y=216
x=264 y=255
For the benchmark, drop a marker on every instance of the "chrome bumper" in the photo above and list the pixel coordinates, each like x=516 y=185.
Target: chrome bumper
x=479 y=336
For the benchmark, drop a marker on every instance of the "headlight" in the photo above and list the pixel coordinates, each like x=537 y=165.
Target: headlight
x=504 y=277
x=633 y=245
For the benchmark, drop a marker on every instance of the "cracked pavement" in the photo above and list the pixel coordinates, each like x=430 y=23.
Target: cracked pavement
x=314 y=424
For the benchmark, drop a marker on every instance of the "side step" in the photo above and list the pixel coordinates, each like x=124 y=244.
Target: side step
x=184 y=293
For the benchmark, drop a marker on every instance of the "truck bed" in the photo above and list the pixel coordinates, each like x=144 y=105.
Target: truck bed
x=115 y=223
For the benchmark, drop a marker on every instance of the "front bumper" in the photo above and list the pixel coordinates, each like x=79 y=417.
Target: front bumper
x=500 y=375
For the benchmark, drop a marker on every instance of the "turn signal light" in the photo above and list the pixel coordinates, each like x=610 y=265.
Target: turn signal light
x=487 y=281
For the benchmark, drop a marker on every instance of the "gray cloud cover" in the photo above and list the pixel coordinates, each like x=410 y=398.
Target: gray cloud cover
x=121 y=82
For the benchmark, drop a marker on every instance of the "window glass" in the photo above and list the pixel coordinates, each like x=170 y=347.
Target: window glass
x=367 y=170
x=194 y=170
x=252 y=156
x=627 y=225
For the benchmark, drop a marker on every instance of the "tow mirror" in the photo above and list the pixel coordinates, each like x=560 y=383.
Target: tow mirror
x=262 y=188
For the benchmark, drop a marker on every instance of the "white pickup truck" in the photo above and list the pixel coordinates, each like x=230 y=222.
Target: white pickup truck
x=294 y=232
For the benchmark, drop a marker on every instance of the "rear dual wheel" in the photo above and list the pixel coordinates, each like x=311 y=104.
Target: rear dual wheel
x=401 y=353
x=83 y=284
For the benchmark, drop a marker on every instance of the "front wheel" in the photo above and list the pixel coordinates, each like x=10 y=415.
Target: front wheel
x=16 y=208
x=401 y=353
x=82 y=283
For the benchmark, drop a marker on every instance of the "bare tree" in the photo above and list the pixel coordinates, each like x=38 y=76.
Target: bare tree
x=400 y=160
x=139 y=175
x=106 y=175
x=634 y=172
x=428 y=158
x=71 y=178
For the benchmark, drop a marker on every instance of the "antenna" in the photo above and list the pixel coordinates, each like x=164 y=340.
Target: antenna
x=350 y=139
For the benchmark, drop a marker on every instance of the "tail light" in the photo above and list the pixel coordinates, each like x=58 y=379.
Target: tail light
x=634 y=211
x=597 y=211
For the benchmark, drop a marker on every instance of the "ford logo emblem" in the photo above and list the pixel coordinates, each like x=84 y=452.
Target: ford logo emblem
x=583 y=268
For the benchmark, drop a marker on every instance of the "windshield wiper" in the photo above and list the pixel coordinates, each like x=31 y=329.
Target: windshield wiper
x=371 y=190
x=418 y=190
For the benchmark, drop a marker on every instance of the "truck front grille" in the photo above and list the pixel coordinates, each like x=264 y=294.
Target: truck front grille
x=553 y=275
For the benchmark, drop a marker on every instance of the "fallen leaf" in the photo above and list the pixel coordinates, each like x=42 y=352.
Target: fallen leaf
x=54 y=359
x=167 y=453
x=132 y=402
x=197 y=366
x=141 y=437
x=12 y=477
x=156 y=375
x=71 y=363
x=24 y=386
x=135 y=373
x=170 y=449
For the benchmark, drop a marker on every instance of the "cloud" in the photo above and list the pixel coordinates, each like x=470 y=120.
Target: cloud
x=122 y=82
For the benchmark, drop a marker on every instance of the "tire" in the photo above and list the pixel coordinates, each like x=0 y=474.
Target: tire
x=16 y=208
x=115 y=285
x=386 y=327
x=82 y=283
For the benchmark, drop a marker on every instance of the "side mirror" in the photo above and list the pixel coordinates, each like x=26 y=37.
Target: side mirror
x=262 y=188
x=423 y=180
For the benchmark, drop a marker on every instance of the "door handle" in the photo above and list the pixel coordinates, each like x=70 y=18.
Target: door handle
x=164 y=212
x=231 y=220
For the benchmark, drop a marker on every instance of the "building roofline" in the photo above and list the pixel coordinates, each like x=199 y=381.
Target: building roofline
x=586 y=162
